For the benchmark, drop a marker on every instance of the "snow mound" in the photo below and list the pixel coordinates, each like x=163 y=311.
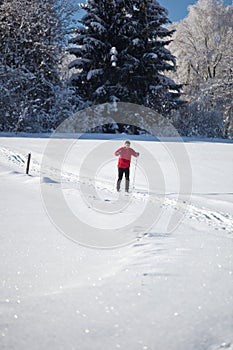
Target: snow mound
x=48 y=180
x=227 y=346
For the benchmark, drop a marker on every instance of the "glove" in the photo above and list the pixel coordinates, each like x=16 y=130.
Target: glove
x=137 y=153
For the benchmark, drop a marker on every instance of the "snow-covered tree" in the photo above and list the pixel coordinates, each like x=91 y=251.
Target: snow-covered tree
x=32 y=37
x=121 y=55
x=203 y=42
x=203 y=45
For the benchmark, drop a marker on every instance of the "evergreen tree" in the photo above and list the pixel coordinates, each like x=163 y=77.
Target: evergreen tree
x=121 y=55
x=31 y=46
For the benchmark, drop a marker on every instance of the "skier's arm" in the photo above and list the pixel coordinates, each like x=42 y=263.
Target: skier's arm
x=135 y=154
x=118 y=152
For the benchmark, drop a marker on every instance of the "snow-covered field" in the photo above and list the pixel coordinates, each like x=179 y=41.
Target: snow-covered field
x=164 y=278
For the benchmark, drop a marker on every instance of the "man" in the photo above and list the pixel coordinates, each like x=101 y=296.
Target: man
x=124 y=154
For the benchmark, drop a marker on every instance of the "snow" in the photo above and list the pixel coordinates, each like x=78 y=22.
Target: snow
x=151 y=55
x=99 y=27
x=160 y=290
x=78 y=62
x=93 y=73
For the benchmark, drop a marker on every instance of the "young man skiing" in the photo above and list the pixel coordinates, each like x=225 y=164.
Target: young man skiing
x=124 y=154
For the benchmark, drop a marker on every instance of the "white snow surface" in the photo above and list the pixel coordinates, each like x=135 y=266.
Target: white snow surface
x=163 y=291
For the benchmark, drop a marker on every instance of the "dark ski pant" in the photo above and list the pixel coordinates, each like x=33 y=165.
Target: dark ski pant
x=121 y=172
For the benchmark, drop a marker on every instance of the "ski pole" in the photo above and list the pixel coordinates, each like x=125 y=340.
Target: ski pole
x=135 y=168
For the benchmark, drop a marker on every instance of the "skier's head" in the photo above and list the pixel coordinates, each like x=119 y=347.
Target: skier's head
x=127 y=143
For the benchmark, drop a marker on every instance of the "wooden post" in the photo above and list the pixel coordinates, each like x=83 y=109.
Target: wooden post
x=28 y=163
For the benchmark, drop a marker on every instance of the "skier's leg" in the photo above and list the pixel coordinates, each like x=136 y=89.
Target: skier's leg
x=127 y=180
x=120 y=175
x=118 y=185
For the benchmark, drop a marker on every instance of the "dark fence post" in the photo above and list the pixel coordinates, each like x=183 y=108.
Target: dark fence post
x=28 y=163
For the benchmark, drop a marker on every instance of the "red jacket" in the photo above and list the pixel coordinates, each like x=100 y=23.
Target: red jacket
x=125 y=156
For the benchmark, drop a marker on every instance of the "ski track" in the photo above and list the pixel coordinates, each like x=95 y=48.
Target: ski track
x=13 y=158
x=218 y=220
x=226 y=346
x=215 y=219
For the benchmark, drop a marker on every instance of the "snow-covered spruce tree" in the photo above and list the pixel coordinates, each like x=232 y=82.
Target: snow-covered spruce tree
x=31 y=45
x=121 y=55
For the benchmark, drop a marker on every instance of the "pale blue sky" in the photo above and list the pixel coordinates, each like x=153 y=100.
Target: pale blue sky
x=178 y=8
